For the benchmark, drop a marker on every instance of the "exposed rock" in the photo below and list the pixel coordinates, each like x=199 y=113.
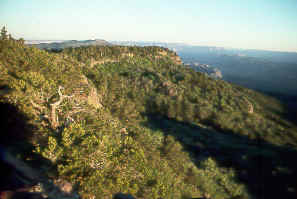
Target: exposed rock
x=64 y=185
x=172 y=92
x=177 y=60
x=84 y=80
x=123 y=131
x=93 y=99
x=87 y=92
x=169 y=88
x=30 y=183
x=207 y=69
x=127 y=54
x=166 y=84
x=163 y=53
x=217 y=74
x=250 y=107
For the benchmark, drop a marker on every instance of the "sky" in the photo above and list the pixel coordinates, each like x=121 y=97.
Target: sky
x=247 y=24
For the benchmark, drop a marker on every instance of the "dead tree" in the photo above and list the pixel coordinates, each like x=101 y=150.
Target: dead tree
x=53 y=118
x=250 y=106
x=42 y=108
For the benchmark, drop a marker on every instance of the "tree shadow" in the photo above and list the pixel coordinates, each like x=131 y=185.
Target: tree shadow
x=17 y=160
x=290 y=104
x=267 y=170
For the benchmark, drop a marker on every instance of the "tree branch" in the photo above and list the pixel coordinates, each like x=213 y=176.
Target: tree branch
x=54 y=118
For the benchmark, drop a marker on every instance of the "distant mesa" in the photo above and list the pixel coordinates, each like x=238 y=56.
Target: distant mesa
x=31 y=42
x=61 y=44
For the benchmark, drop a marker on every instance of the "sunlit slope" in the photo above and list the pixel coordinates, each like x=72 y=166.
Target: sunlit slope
x=126 y=119
x=137 y=80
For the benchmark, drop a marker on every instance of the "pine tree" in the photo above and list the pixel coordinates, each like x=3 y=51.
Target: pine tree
x=3 y=35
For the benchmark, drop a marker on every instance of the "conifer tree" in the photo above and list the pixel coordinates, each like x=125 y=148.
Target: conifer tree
x=3 y=35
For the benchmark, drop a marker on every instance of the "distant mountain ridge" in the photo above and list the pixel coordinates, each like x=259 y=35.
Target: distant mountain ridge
x=60 y=44
x=277 y=56
x=30 y=42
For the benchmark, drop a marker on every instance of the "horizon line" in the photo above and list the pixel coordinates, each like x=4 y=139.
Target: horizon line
x=182 y=43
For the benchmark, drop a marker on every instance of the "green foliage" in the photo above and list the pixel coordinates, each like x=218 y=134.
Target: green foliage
x=211 y=176
x=117 y=148
x=3 y=35
x=161 y=87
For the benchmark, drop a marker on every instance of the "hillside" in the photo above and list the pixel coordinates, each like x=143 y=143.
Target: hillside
x=260 y=70
x=116 y=119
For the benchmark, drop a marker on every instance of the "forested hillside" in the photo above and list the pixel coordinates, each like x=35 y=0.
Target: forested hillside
x=134 y=120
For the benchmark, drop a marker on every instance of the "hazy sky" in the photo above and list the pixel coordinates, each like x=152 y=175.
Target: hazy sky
x=257 y=24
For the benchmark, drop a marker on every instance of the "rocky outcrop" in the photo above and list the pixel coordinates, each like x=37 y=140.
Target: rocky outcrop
x=206 y=69
x=169 y=88
x=176 y=59
x=93 y=99
x=85 y=91
x=172 y=55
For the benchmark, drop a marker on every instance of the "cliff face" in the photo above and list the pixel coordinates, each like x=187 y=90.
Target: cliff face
x=176 y=59
x=172 y=55
x=111 y=54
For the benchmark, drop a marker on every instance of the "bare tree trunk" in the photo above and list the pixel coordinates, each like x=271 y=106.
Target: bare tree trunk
x=250 y=106
x=54 y=119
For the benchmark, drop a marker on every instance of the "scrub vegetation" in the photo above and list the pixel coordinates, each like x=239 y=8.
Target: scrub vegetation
x=118 y=119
